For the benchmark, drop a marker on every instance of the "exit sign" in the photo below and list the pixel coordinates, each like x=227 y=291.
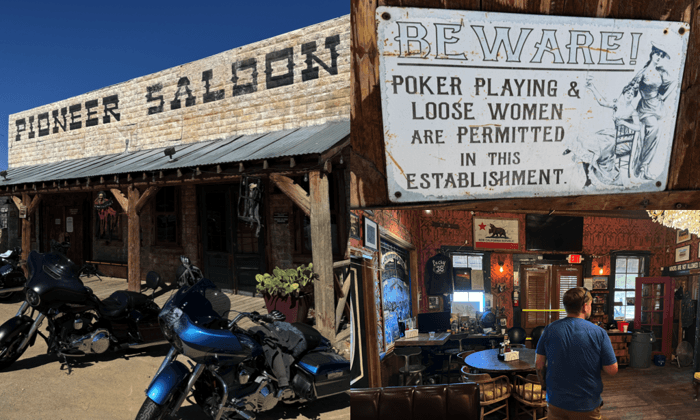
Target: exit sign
x=574 y=259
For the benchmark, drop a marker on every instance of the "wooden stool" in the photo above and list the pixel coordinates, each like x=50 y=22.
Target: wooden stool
x=410 y=369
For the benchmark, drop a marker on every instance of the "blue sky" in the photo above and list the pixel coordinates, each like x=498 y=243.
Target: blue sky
x=52 y=50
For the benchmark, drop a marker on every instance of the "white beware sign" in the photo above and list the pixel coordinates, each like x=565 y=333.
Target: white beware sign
x=491 y=105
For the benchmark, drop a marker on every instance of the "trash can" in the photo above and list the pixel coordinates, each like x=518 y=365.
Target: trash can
x=640 y=349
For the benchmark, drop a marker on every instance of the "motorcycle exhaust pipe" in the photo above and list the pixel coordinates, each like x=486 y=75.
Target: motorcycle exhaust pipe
x=144 y=345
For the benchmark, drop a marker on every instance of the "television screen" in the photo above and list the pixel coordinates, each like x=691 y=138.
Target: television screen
x=553 y=233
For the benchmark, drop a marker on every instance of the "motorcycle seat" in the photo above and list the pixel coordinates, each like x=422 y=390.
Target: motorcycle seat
x=312 y=337
x=121 y=302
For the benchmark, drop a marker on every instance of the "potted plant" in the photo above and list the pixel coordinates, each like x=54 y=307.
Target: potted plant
x=288 y=290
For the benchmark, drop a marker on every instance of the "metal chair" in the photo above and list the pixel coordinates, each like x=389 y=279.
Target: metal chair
x=454 y=352
x=410 y=369
x=492 y=392
x=529 y=396
x=624 y=147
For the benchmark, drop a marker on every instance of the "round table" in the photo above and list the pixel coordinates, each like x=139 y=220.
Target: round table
x=487 y=361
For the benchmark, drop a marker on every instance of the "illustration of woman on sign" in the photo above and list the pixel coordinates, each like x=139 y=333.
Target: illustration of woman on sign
x=599 y=151
x=655 y=86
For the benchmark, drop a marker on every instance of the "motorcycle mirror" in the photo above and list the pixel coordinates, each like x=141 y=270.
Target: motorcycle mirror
x=184 y=260
x=152 y=280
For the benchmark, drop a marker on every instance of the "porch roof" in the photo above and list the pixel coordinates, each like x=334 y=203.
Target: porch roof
x=238 y=148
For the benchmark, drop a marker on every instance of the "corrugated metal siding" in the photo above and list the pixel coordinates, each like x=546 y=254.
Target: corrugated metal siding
x=283 y=143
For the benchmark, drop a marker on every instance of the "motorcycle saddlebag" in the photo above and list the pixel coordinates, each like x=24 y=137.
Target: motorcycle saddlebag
x=330 y=372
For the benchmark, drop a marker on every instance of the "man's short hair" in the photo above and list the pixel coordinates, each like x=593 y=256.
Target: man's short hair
x=575 y=298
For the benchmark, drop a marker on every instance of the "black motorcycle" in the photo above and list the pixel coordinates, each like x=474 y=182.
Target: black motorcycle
x=12 y=278
x=79 y=322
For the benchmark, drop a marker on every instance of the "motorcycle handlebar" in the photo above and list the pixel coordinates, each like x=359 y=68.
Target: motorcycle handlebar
x=256 y=317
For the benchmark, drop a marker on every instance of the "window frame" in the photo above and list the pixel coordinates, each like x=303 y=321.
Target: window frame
x=177 y=212
x=644 y=257
x=451 y=251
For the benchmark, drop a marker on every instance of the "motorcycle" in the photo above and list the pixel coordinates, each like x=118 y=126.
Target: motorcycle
x=79 y=322
x=12 y=278
x=231 y=377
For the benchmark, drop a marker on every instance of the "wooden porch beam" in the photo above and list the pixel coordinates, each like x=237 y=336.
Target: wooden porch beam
x=134 y=235
x=322 y=254
x=297 y=194
x=121 y=199
x=150 y=192
x=34 y=204
x=17 y=201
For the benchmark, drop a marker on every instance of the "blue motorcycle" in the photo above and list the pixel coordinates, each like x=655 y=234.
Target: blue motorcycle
x=231 y=376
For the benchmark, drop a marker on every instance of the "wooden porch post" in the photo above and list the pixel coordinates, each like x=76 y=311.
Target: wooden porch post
x=322 y=250
x=135 y=204
x=32 y=205
x=26 y=228
x=134 y=262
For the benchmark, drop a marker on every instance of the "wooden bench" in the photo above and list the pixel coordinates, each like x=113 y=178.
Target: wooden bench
x=112 y=269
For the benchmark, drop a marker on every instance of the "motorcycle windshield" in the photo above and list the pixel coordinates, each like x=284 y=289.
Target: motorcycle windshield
x=202 y=303
x=194 y=320
x=53 y=268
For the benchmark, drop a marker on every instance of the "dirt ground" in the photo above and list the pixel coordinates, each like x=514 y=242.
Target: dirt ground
x=110 y=386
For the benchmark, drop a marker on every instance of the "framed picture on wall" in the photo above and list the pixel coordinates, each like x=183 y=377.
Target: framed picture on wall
x=371 y=234
x=600 y=282
x=496 y=233
x=354 y=226
x=434 y=303
x=682 y=236
x=683 y=253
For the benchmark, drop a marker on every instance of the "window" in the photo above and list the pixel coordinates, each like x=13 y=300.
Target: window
x=475 y=263
x=475 y=298
x=627 y=269
x=3 y=218
x=166 y=216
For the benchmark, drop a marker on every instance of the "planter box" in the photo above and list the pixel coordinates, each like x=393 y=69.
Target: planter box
x=295 y=309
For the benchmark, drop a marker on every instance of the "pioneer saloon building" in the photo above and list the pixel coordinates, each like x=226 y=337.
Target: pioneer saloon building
x=235 y=160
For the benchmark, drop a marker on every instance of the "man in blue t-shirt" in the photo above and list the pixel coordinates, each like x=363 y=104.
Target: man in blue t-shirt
x=575 y=351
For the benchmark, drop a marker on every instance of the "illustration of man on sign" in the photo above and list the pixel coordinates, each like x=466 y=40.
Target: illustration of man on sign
x=599 y=153
x=655 y=86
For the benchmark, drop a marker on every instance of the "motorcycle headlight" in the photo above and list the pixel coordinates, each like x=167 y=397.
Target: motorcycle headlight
x=33 y=298
x=172 y=322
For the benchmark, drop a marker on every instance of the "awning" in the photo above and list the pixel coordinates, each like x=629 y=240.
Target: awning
x=276 y=144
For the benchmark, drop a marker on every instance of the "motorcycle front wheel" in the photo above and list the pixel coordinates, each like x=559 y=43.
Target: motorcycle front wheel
x=9 y=352
x=150 y=410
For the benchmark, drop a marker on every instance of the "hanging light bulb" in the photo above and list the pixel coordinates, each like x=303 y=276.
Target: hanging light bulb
x=306 y=177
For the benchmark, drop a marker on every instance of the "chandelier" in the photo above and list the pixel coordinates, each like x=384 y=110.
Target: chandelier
x=678 y=219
